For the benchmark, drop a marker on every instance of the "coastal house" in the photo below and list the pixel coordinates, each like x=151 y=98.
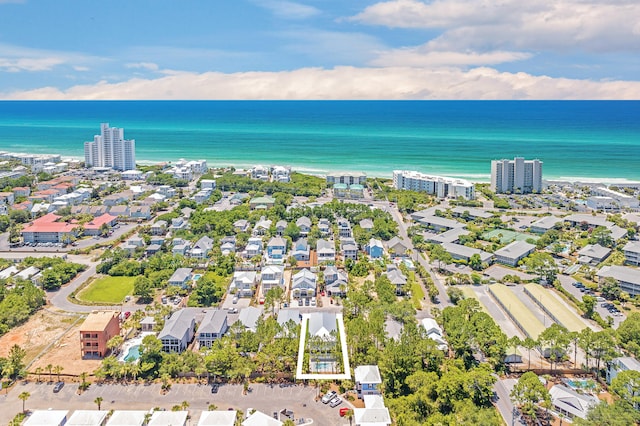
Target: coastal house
x=397 y=278
x=375 y=249
x=228 y=245
x=276 y=250
x=304 y=225
x=178 y=223
x=450 y=236
x=262 y=203
x=301 y=250
x=159 y=228
x=368 y=380
x=324 y=226
x=181 y=277
x=434 y=332
x=303 y=284
x=349 y=248
x=262 y=226
x=213 y=326
x=514 y=252
x=178 y=331
x=571 y=403
x=336 y=282
x=326 y=251
x=241 y=225
x=249 y=317
x=181 y=248
x=460 y=252
x=344 y=228
x=140 y=212
x=201 y=248
x=439 y=224
x=121 y=211
x=620 y=364
x=545 y=224
x=366 y=224
x=253 y=248
x=397 y=246
x=593 y=253
x=281 y=225
x=244 y=283
x=96 y=330
x=272 y=276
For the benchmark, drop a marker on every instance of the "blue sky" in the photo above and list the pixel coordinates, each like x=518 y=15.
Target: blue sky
x=320 y=49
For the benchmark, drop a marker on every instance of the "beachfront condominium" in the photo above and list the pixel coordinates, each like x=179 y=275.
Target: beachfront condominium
x=442 y=187
x=517 y=176
x=110 y=149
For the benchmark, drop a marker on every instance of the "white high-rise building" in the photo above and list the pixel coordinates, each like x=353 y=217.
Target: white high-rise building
x=110 y=149
x=517 y=176
x=439 y=186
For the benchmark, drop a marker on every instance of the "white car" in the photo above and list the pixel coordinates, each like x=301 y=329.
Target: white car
x=329 y=396
x=335 y=401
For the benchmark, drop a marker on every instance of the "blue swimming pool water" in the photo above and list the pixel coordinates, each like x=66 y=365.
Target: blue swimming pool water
x=133 y=354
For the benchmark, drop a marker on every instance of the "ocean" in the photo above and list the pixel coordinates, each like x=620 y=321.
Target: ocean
x=576 y=140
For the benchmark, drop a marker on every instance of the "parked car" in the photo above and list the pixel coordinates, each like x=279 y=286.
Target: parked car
x=328 y=397
x=58 y=387
x=335 y=402
x=343 y=411
x=214 y=388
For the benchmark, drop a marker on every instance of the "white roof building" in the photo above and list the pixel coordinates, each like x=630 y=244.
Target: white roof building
x=571 y=403
x=218 y=418
x=87 y=418
x=47 y=418
x=168 y=418
x=127 y=418
x=258 y=418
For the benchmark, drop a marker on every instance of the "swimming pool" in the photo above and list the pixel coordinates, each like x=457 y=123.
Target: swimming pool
x=587 y=384
x=133 y=354
x=196 y=277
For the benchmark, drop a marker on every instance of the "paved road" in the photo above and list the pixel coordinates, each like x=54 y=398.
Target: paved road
x=59 y=297
x=300 y=399
x=503 y=402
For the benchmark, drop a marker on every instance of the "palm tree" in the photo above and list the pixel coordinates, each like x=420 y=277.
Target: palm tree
x=58 y=369
x=49 y=367
x=98 y=402
x=38 y=372
x=23 y=397
x=349 y=415
x=212 y=407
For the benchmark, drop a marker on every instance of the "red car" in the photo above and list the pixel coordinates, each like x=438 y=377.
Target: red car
x=343 y=411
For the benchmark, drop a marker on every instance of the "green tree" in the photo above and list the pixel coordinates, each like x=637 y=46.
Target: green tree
x=543 y=265
x=556 y=340
x=528 y=392
x=627 y=386
x=143 y=288
x=475 y=262
x=23 y=397
x=589 y=303
x=98 y=402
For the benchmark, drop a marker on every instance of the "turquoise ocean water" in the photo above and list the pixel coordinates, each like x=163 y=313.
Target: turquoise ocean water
x=597 y=140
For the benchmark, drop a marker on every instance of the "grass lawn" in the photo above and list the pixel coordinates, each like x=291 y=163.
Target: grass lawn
x=507 y=236
x=107 y=290
x=417 y=295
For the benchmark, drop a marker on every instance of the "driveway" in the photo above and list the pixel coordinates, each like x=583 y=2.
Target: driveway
x=300 y=399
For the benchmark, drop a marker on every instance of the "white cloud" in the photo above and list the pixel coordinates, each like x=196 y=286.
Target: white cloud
x=346 y=83
x=19 y=58
x=288 y=9
x=423 y=56
x=28 y=64
x=80 y=68
x=593 y=25
x=150 y=66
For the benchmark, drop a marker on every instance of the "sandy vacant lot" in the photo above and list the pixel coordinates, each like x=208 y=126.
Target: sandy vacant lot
x=44 y=328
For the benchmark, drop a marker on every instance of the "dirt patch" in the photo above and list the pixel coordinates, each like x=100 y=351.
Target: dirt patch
x=66 y=353
x=40 y=330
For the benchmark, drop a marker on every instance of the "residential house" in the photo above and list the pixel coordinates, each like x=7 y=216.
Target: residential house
x=178 y=223
x=301 y=250
x=178 y=331
x=397 y=278
x=181 y=277
x=202 y=195
x=228 y=245
x=202 y=248
x=272 y=276
x=96 y=330
x=303 y=284
x=375 y=249
x=213 y=326
x=434 y=332
x=545 y=224
x=120 y=211
x=397 y=247
x=262 y=203
x=262 y=226
x=374 y=413
x=450 y=236
x=514 y=252
x=326 y=251
x=470 y=213
x=570 y=403
x=323 y=324
x=249 y=317
x=439 y=224
x=366 y=224
x=181 y=248
x=47 y=229
x=368 y=380
x=140 y=212
x=207 y=184
x=276 y=250
x=628 y=278
x=349 y=248
x=304 y=224
x=148 y=324
x=286 y=315
x=152 y=249
x=253 y=248
x=281 y=174
x=344 y=228
x=632 y=253
x=241 y=225
x=159 y=227
x=336 y=282
x=324 y=226
x=281 y=226
x=98 y=224
x=244 y=283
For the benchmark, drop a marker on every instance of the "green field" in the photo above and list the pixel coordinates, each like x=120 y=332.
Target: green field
x=417 y=294
x=563 y=314
x=507 y=236
x=529 y=322
x=107 y=290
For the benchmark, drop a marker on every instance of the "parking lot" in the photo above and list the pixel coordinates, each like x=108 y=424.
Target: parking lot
x=567 y=283
x=298 y=398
